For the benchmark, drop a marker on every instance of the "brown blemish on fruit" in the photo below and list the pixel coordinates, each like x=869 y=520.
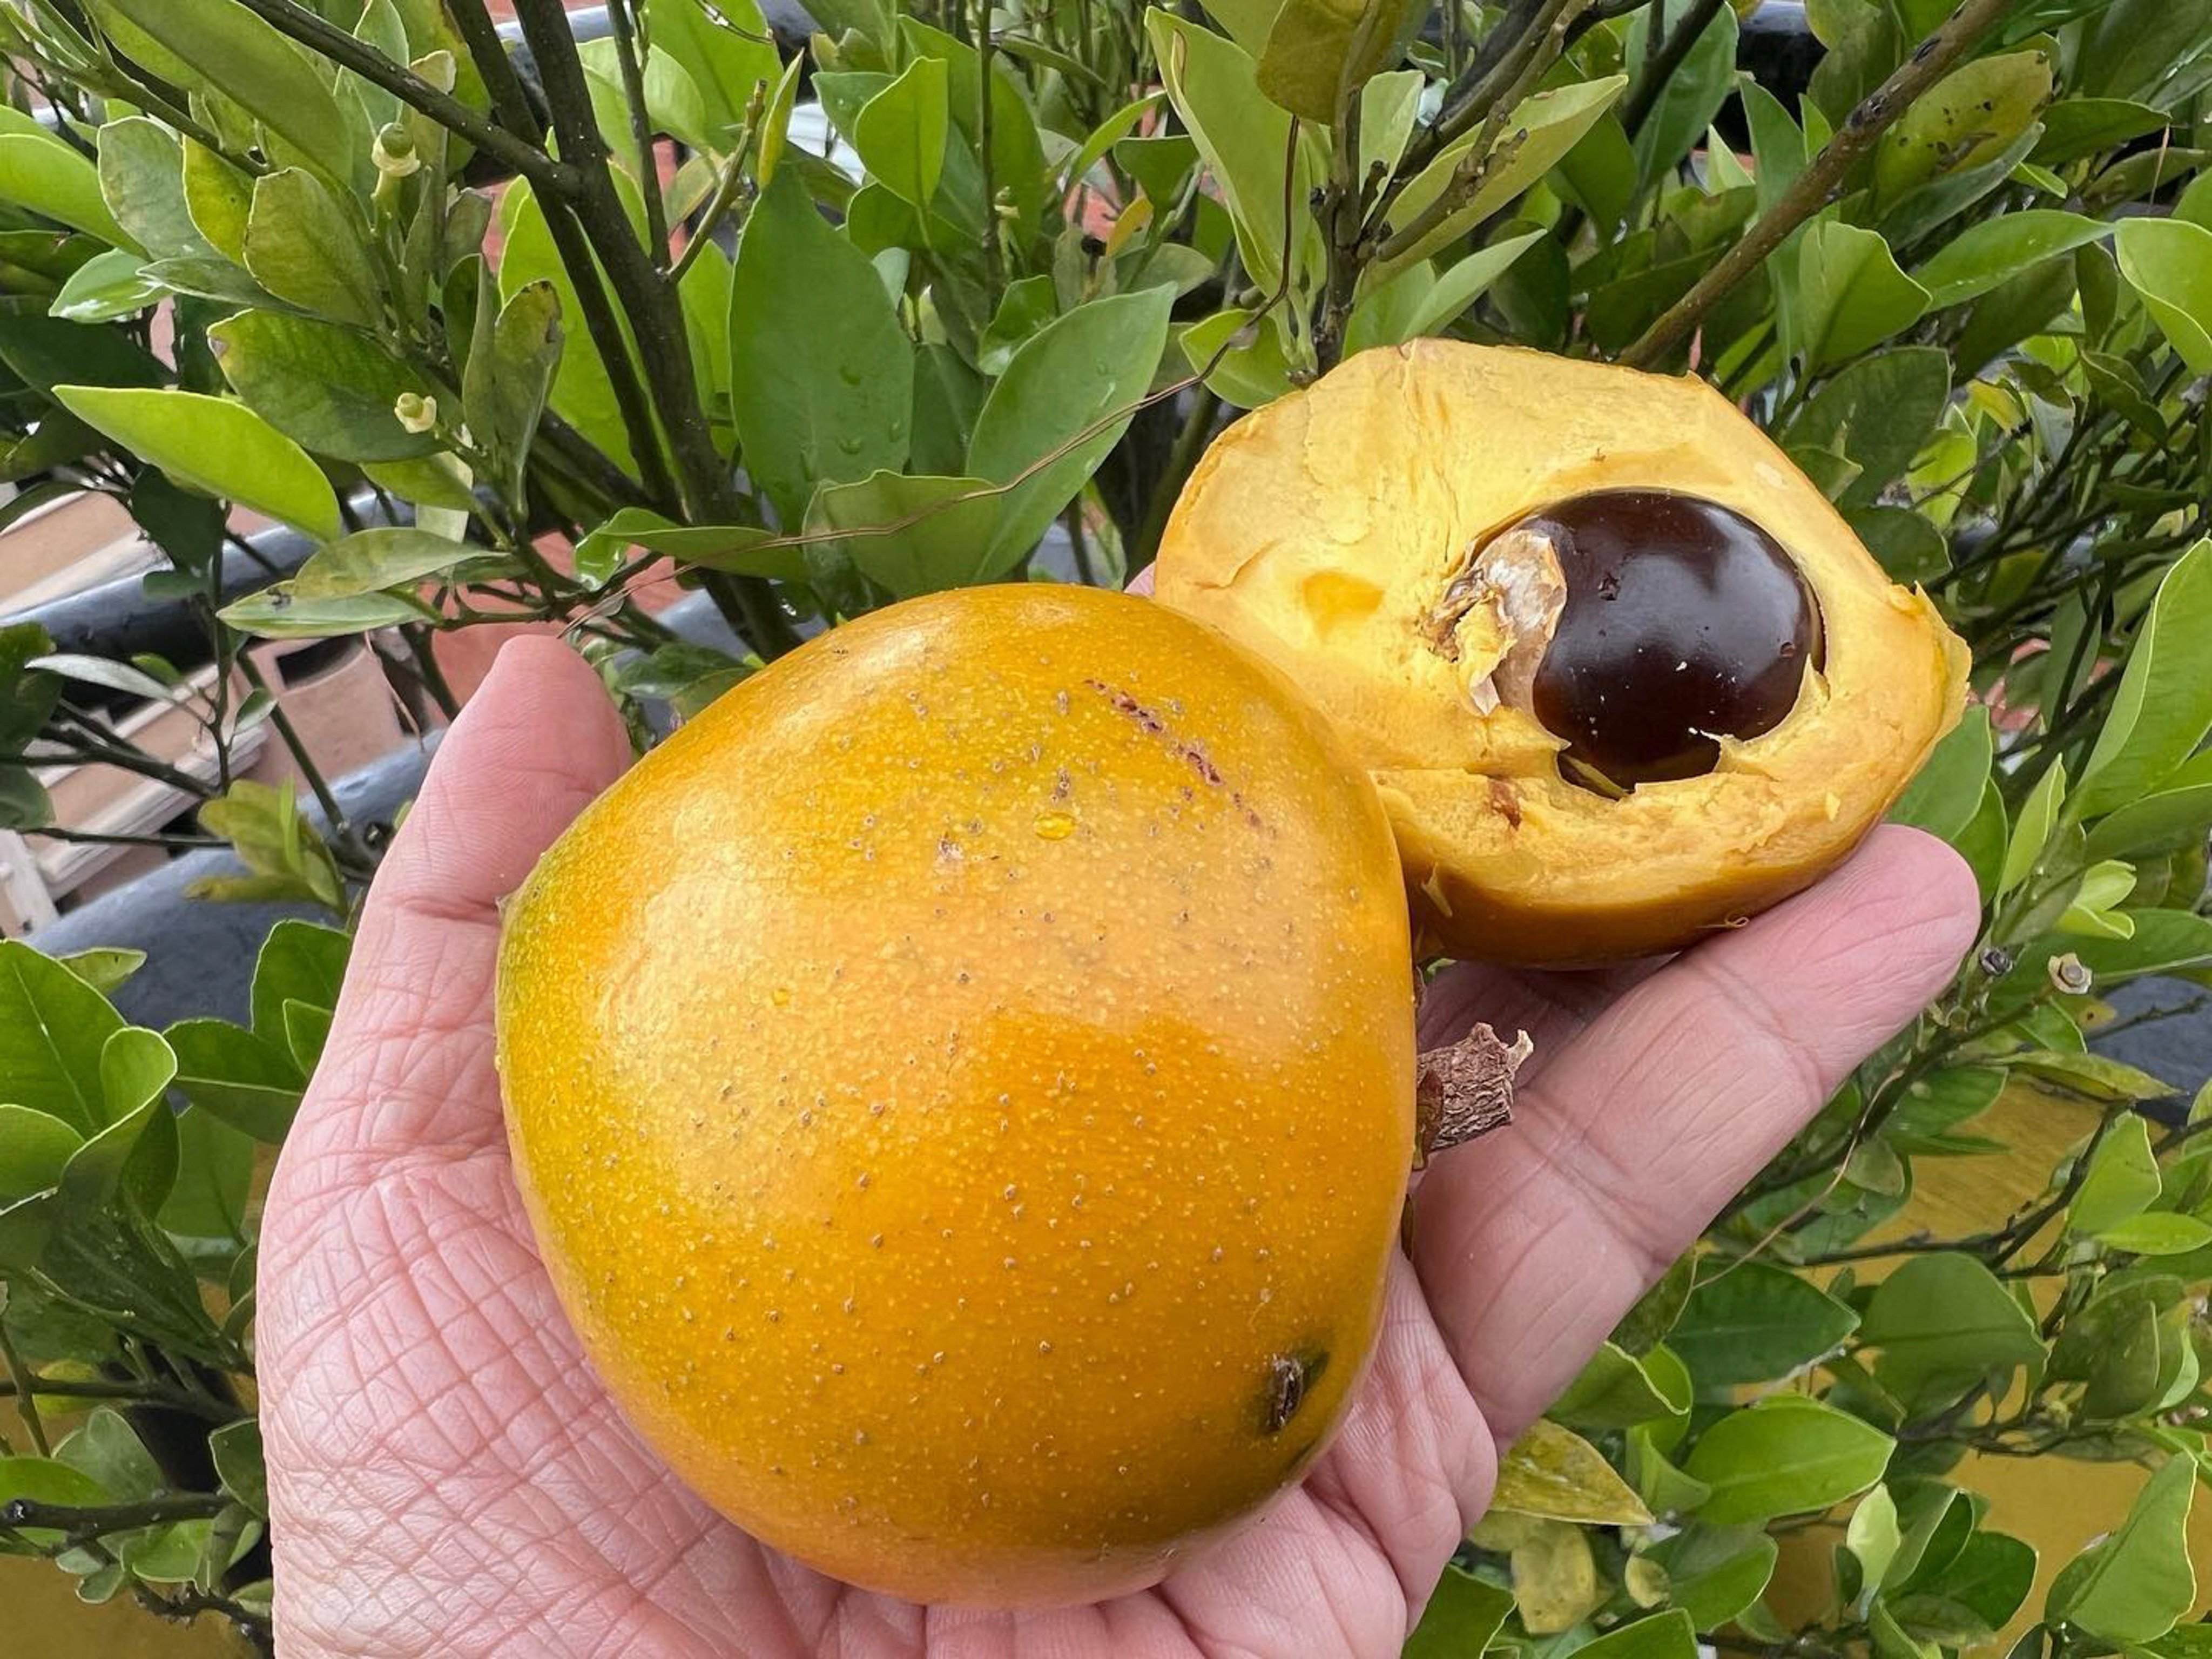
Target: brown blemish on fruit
x=1192 y=755
x=1291 y=1378
x=1507 y=800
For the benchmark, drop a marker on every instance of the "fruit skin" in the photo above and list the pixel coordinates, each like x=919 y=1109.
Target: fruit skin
x=1321 y=530
x=963 y=1081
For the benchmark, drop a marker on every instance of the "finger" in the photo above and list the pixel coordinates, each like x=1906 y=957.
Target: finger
x=1550 y=1006
x=1141 y=583
x=409 y=1059
x=1531 y=1244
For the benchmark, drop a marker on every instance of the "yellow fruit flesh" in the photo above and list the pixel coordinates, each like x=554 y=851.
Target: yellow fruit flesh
x=1323 y=530
x=954 y=1077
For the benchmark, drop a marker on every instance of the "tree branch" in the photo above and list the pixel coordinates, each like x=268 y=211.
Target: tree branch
x=328 y=40
x=641 y=127
x=1820 y=183
x=91 y=1521
x=655 y=308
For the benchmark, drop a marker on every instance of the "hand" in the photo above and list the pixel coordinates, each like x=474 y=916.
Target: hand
x=448 y=1478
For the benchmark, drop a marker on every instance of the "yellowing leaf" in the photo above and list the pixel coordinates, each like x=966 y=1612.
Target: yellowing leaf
x=1552 y=1472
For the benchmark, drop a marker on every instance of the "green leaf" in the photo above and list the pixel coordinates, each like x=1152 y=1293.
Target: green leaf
x=726 y=49
x=369 y=560
x=236 y=1450
x=279 y=83
x=1074 y=385
x=218 y=447
x=2092 y=1075
x=142 y=178
x=741 y=550
x=838 y=408
x=2131 y=49
x=47 y=1480
x=108 y=1451
x=220 y=199
x=2075 y=127
x=1463 y=1613
x=1872 y=1535
x=1752 y=1321
x=2038 y=813
x=2164 y=707
x=1668 y=1635
x=1689 y=97
x=510 y=375
x=329 y=389
x=44 y=351
x=305 y=246
x=1787 y=1455
x=1076 y=169
x=1853 y=294
x=288 y=858
x=1317 y=49
x=1241 y=357
x=233 y=1075
x=106 y=287
x=34 y=1148
x=439 y=482
x=2133 y=1585
x=1976 y=1597
x=1965 y=119
x=2123 y=1177
x=1540 y=130
x=1458 y=287
x=52 y=179
x=136 y=1145
x=2169 y=263
x=1935 y=1105
x=2170 y=821
x=2113 y=1346
x=1646 y=1325
x=1552 y=1472
x=52 y=1028
x=104 y=967
x=1777 y=146
x=275 y=614
x=2158 y=1233
x=1992 y=252
x=1877 y=412
x=300 y=962
x=1945 y=793
x=949 y=543
x=775 y=122
x=583 y=393
x=901 y=133
x=1944 y=1322
x=1243 y=135
x=1614 y=1391
x=1715 y=1573
x=214 y=1172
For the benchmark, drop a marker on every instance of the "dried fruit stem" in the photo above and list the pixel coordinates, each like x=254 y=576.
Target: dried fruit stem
x=1465 y=1089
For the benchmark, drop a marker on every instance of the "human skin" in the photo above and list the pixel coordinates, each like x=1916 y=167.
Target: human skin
x=446 y=1476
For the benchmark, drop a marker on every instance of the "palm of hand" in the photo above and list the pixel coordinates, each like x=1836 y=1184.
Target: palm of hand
x=447 y=1476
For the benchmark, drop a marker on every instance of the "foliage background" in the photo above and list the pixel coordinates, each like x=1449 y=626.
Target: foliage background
x=259 y=255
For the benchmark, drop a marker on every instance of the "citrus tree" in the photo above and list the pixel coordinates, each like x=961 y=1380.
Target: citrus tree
x=516 y=333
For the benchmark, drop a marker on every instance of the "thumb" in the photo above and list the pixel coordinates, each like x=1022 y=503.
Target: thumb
x=409 y=1061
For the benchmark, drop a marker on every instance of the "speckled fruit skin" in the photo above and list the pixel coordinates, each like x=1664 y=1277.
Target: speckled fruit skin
x=962 y=1079
x=1321 y=530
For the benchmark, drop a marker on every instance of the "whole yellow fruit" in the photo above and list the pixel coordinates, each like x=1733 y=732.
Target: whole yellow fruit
x=963 y=1085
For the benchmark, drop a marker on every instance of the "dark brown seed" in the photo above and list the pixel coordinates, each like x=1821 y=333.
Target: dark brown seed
x=1684 y=621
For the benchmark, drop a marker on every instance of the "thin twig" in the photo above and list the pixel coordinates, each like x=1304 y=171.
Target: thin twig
x=1818 y=184
x=641 y=125
x=328 y=40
